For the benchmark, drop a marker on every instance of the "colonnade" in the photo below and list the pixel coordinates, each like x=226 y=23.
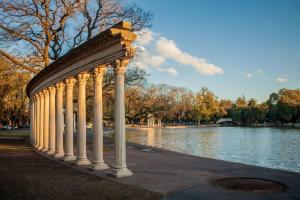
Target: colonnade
x=54 y=136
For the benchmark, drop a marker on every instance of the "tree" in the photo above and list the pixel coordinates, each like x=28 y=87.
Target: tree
x=47 y=29
x=206 y=105
x=13 y=101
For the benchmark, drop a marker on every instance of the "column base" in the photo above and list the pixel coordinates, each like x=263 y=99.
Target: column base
x=39 y=148
x=121 y=172
x=69 y=158
x=82 y=161
x=50 y=152
x=44 y=150
x=99 y=166
x=59 y=155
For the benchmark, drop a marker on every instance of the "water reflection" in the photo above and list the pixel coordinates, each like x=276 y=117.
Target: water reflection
x=268 y=147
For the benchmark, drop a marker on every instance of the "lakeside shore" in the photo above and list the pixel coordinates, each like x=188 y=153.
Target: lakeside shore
x=258 y=125
x=170 y=174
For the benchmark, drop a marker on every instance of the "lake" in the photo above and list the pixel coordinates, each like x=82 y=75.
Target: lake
x=267 y=147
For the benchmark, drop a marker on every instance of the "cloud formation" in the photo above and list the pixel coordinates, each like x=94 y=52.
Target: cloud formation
x=156 y=51
x=282 y=80
x=168 y=49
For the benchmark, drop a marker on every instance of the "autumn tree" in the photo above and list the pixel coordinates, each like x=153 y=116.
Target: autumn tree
x=47 y=29
x=13 y=99
x=206 y=105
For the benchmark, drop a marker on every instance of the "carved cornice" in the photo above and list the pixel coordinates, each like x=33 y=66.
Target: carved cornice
x=116 y=37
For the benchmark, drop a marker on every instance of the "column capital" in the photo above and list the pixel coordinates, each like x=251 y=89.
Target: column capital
x=51 y=90
x=70 y=81
x=37 y=96
x=45 y=92
x=83 y=77
x=59 y=86
x=99 y=71
x=41 y=94
x=120 y=66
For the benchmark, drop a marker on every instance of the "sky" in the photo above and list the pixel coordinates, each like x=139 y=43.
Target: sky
x=232 y=47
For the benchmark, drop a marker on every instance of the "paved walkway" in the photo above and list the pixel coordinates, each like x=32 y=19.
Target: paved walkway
x=184 y=177
x=175 y=176
x=26 y=175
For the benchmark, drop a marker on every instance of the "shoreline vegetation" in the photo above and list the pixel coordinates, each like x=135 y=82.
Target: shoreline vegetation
x=258 y=125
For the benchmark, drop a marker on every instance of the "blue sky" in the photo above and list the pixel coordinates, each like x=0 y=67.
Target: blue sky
x=233 y=47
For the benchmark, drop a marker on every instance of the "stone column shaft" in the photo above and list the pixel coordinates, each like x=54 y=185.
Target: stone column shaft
x=31 y=103
x=81 y=123
x=37 y=123
x=98 y=162
x=52 y=126
x=46 y=121
x=69 y=153
x=41 y=111
x=59 y=117
x=120 y=168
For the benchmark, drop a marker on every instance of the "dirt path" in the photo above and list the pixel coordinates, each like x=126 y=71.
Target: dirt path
x=27 y=175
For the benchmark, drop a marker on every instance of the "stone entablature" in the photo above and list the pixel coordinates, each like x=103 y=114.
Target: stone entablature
x=105 y=48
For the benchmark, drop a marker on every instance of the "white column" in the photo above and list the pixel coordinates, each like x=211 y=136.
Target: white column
x=37 y=123
x=52 y=128
x=81 y=121
x=74 y=121
x=46 y=120
x=31 y=104
x=41 y=111
x=34 y=121
x=69 y=153
x=59 y=117
x=98 y=162
x=120 y=169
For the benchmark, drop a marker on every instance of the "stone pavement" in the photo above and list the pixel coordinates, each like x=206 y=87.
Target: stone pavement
x=181 y=176
x=178 y=176
x=25 y=175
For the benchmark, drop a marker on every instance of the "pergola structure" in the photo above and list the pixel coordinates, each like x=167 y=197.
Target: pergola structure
x=48 y=124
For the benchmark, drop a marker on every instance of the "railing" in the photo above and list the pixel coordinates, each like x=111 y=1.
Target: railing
x=48 y=124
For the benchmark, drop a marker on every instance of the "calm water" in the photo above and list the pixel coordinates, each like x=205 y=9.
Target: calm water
x=267 y=147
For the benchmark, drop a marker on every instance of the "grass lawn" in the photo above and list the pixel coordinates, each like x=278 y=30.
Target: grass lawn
x=14 y=133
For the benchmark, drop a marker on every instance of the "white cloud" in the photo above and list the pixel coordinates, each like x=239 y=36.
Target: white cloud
x=144 y=36
x=259 y=70
x=247 y=75
x=168 y=49
x=153 y=51
x=282 y=79
x=170 y=70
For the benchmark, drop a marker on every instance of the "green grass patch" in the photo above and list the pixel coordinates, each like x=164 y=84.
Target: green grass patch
x=14 y=133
